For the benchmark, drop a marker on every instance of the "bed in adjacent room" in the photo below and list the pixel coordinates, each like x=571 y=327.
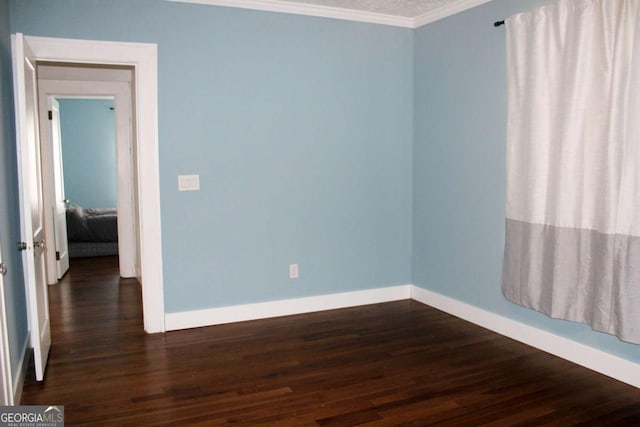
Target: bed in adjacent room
x=92 y=232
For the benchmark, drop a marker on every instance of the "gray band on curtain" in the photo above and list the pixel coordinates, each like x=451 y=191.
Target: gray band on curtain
x=575 y=274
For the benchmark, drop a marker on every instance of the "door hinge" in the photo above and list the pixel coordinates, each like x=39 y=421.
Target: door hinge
x=50 y=115
x=57 y=255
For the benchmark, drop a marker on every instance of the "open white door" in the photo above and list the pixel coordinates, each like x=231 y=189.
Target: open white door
x=60 y=211
x=55 y=218
x=6 y=381
x=30 y=190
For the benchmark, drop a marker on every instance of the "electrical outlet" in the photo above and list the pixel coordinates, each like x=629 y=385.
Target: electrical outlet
x=294 y=271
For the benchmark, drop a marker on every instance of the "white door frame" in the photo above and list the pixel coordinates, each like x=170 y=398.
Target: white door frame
x=121 y=92
x=143 y=57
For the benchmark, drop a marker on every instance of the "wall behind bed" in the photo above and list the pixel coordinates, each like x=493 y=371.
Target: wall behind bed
x=88 y=151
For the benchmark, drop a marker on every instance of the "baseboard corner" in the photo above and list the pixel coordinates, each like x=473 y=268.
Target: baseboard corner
x=591 y=358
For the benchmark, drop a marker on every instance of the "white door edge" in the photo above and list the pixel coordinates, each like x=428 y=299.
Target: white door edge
x=30 y=193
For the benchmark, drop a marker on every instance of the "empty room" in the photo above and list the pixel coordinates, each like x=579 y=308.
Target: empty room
x=330 y=212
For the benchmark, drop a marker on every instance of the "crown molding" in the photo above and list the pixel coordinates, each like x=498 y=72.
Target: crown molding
x=445 y=11
x=310 y=10
x=341 y=13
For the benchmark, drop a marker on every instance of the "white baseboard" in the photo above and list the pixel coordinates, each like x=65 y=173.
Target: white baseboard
x=240 y=313
x=597 y=360
x=22 y=371
x=583 y=355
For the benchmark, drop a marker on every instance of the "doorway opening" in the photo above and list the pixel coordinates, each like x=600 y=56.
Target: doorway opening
x=87 y=169
x=142 y=59
x=92 y=210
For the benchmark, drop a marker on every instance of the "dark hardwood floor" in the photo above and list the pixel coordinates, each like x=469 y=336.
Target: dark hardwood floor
x=399 y=363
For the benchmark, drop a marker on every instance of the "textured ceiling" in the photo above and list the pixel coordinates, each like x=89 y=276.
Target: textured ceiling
x=401 y=13
x=402 y=8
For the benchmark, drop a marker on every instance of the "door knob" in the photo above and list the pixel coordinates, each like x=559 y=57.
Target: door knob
x=22 y=246
x=3 y=269
x=39 y=244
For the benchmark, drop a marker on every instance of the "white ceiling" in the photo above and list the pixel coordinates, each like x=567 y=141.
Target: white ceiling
x=401 y=13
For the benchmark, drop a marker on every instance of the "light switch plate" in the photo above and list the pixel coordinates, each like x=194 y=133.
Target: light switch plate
x=188 y=182
x=294 y=271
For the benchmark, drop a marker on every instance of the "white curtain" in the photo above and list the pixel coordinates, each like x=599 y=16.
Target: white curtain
x=572 y=246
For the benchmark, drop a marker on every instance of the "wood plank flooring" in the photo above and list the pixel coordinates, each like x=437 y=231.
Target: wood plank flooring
x=399 y=363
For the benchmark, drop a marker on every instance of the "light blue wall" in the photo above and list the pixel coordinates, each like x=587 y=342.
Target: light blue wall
x=300 y=129
x=459 y=167
x=89 y=151
x=9 y=216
